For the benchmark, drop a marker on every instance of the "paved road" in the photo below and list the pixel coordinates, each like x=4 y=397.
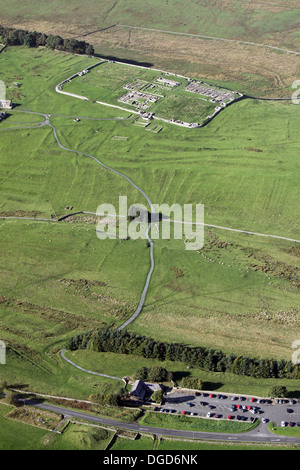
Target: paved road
x=260 y=435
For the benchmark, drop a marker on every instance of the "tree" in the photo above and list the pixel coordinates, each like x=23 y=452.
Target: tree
x=157 y=374
x=278 y=391
x=191 y=383
x=30 y=39
x=158 y=396
x=12 y=399
x=142 y=373
x=90 y=50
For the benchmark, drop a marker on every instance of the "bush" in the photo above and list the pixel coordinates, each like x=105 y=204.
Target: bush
x=12 y=399
x=193 y=383
x=157 y=374
x=142 y=373
x=278 y=391
x=158 y=396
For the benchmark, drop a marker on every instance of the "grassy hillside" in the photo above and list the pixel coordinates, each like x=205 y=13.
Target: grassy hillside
x=239 y=293
x=242 y=19
x=252 y=69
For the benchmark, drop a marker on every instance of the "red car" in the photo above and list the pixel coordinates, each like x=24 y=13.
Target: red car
x=229 y=417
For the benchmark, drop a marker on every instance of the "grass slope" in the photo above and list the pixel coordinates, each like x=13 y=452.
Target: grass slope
x=239 y=294
x=241 y=19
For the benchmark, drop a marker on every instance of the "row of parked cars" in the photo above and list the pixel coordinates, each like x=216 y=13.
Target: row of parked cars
x=290 y=424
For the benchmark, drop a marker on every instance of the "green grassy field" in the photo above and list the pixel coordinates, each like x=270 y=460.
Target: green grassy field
x=242 y=20
x=106 y=82
x=239 y=294
x=16 y=435
x=121 y=365
x=194 y=424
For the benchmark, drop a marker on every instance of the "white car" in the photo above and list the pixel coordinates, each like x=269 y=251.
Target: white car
x=283 y=424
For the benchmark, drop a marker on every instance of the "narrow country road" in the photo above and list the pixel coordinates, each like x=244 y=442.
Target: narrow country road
x=258 y=434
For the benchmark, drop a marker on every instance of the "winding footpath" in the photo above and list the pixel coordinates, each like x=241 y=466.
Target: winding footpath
x=46 y=122
x=252 y=436
x=62 y=354
x=142 y=300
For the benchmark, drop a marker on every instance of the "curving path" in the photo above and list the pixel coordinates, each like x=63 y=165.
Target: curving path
x=62 y=353
x=46 y=122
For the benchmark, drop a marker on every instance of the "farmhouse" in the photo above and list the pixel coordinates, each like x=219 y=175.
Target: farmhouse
x=6 y=104
x=140 y=390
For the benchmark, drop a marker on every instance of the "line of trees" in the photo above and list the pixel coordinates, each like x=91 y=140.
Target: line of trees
x=22 y=37
x=124 y=342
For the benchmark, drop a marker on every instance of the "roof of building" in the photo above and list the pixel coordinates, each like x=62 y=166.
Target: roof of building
x=138 y=389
